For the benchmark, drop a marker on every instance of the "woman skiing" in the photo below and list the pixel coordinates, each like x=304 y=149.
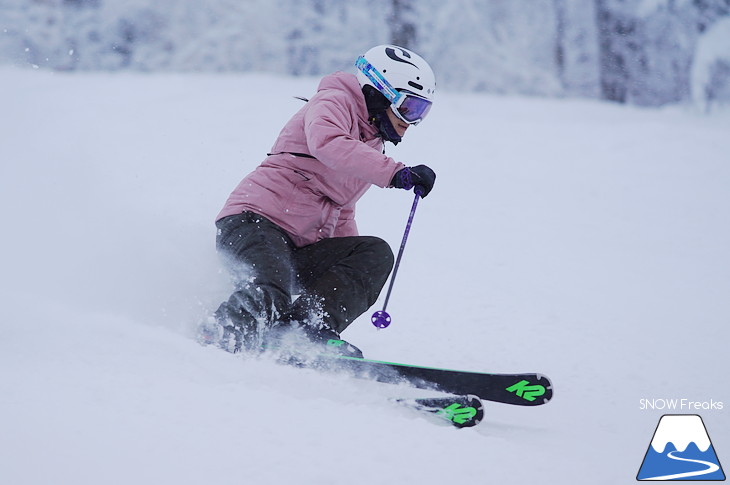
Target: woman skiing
x=288 y=228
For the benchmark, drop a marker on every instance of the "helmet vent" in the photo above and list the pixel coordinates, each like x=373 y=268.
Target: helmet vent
x=415 y=85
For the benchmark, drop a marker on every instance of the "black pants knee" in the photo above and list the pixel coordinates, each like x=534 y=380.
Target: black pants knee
x=339 y=278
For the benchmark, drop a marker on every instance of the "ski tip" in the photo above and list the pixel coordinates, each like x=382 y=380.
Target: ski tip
x=476 y=403
x=460 y=411
x=469 y=413
x=548 y=388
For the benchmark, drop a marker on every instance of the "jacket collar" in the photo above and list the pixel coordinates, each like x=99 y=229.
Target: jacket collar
x=348 y=83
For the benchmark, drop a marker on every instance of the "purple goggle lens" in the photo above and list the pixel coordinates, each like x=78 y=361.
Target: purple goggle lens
x=411 y=108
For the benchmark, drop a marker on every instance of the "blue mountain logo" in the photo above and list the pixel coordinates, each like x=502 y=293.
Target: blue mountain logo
x=680 y=450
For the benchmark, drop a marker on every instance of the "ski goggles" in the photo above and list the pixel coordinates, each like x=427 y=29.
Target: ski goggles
x=407 y=106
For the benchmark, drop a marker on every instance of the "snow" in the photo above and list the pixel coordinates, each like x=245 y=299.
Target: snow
x=583 y=240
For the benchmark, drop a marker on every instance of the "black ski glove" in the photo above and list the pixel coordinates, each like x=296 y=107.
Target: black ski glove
x=421 y=177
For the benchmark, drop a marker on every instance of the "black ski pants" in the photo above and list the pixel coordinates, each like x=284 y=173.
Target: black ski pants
x=339 y=278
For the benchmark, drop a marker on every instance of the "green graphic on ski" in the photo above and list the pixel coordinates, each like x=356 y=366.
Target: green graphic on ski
x=521 y=389
x=458 y=411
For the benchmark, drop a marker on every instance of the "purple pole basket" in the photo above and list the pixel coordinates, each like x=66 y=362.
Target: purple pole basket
x=380 y=319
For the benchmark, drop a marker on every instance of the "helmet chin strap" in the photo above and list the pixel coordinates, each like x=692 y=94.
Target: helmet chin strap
x=386 y=129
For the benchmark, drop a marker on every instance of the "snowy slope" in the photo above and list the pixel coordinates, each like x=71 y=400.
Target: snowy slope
x=583 y=240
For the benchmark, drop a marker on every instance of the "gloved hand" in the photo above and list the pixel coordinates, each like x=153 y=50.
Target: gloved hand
x=421 y=177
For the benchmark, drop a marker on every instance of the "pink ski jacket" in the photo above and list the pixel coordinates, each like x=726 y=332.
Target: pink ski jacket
x=325 y=158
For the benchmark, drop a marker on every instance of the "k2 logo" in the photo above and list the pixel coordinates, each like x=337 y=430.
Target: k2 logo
x=458 y=414
x=527 y=392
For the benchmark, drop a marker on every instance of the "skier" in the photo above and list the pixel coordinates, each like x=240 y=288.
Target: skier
x=288 y=228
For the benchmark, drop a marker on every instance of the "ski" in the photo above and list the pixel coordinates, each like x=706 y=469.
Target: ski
x=459 y=411
x=521 y=389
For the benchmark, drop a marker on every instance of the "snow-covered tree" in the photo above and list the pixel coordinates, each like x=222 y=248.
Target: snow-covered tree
x=711 y=67
x=647 y=52
x=403 y=23
x=576 y=44
x=647 y=47
x=491 y=46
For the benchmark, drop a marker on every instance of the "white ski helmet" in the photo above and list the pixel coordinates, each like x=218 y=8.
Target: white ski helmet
x=402 y=76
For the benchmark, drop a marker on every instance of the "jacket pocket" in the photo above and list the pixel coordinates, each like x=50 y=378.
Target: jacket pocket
x=302 y=175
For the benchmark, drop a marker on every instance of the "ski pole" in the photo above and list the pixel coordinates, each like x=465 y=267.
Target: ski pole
x=381 y=318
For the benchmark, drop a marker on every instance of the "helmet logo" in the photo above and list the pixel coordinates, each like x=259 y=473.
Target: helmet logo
x=390 y=52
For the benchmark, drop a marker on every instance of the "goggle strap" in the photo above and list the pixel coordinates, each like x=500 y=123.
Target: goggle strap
x=380 y=83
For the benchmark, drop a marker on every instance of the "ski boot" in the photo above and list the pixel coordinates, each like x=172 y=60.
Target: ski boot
x=302 y=345
x=210 y=331
x=231 y=331
x=333 y=344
